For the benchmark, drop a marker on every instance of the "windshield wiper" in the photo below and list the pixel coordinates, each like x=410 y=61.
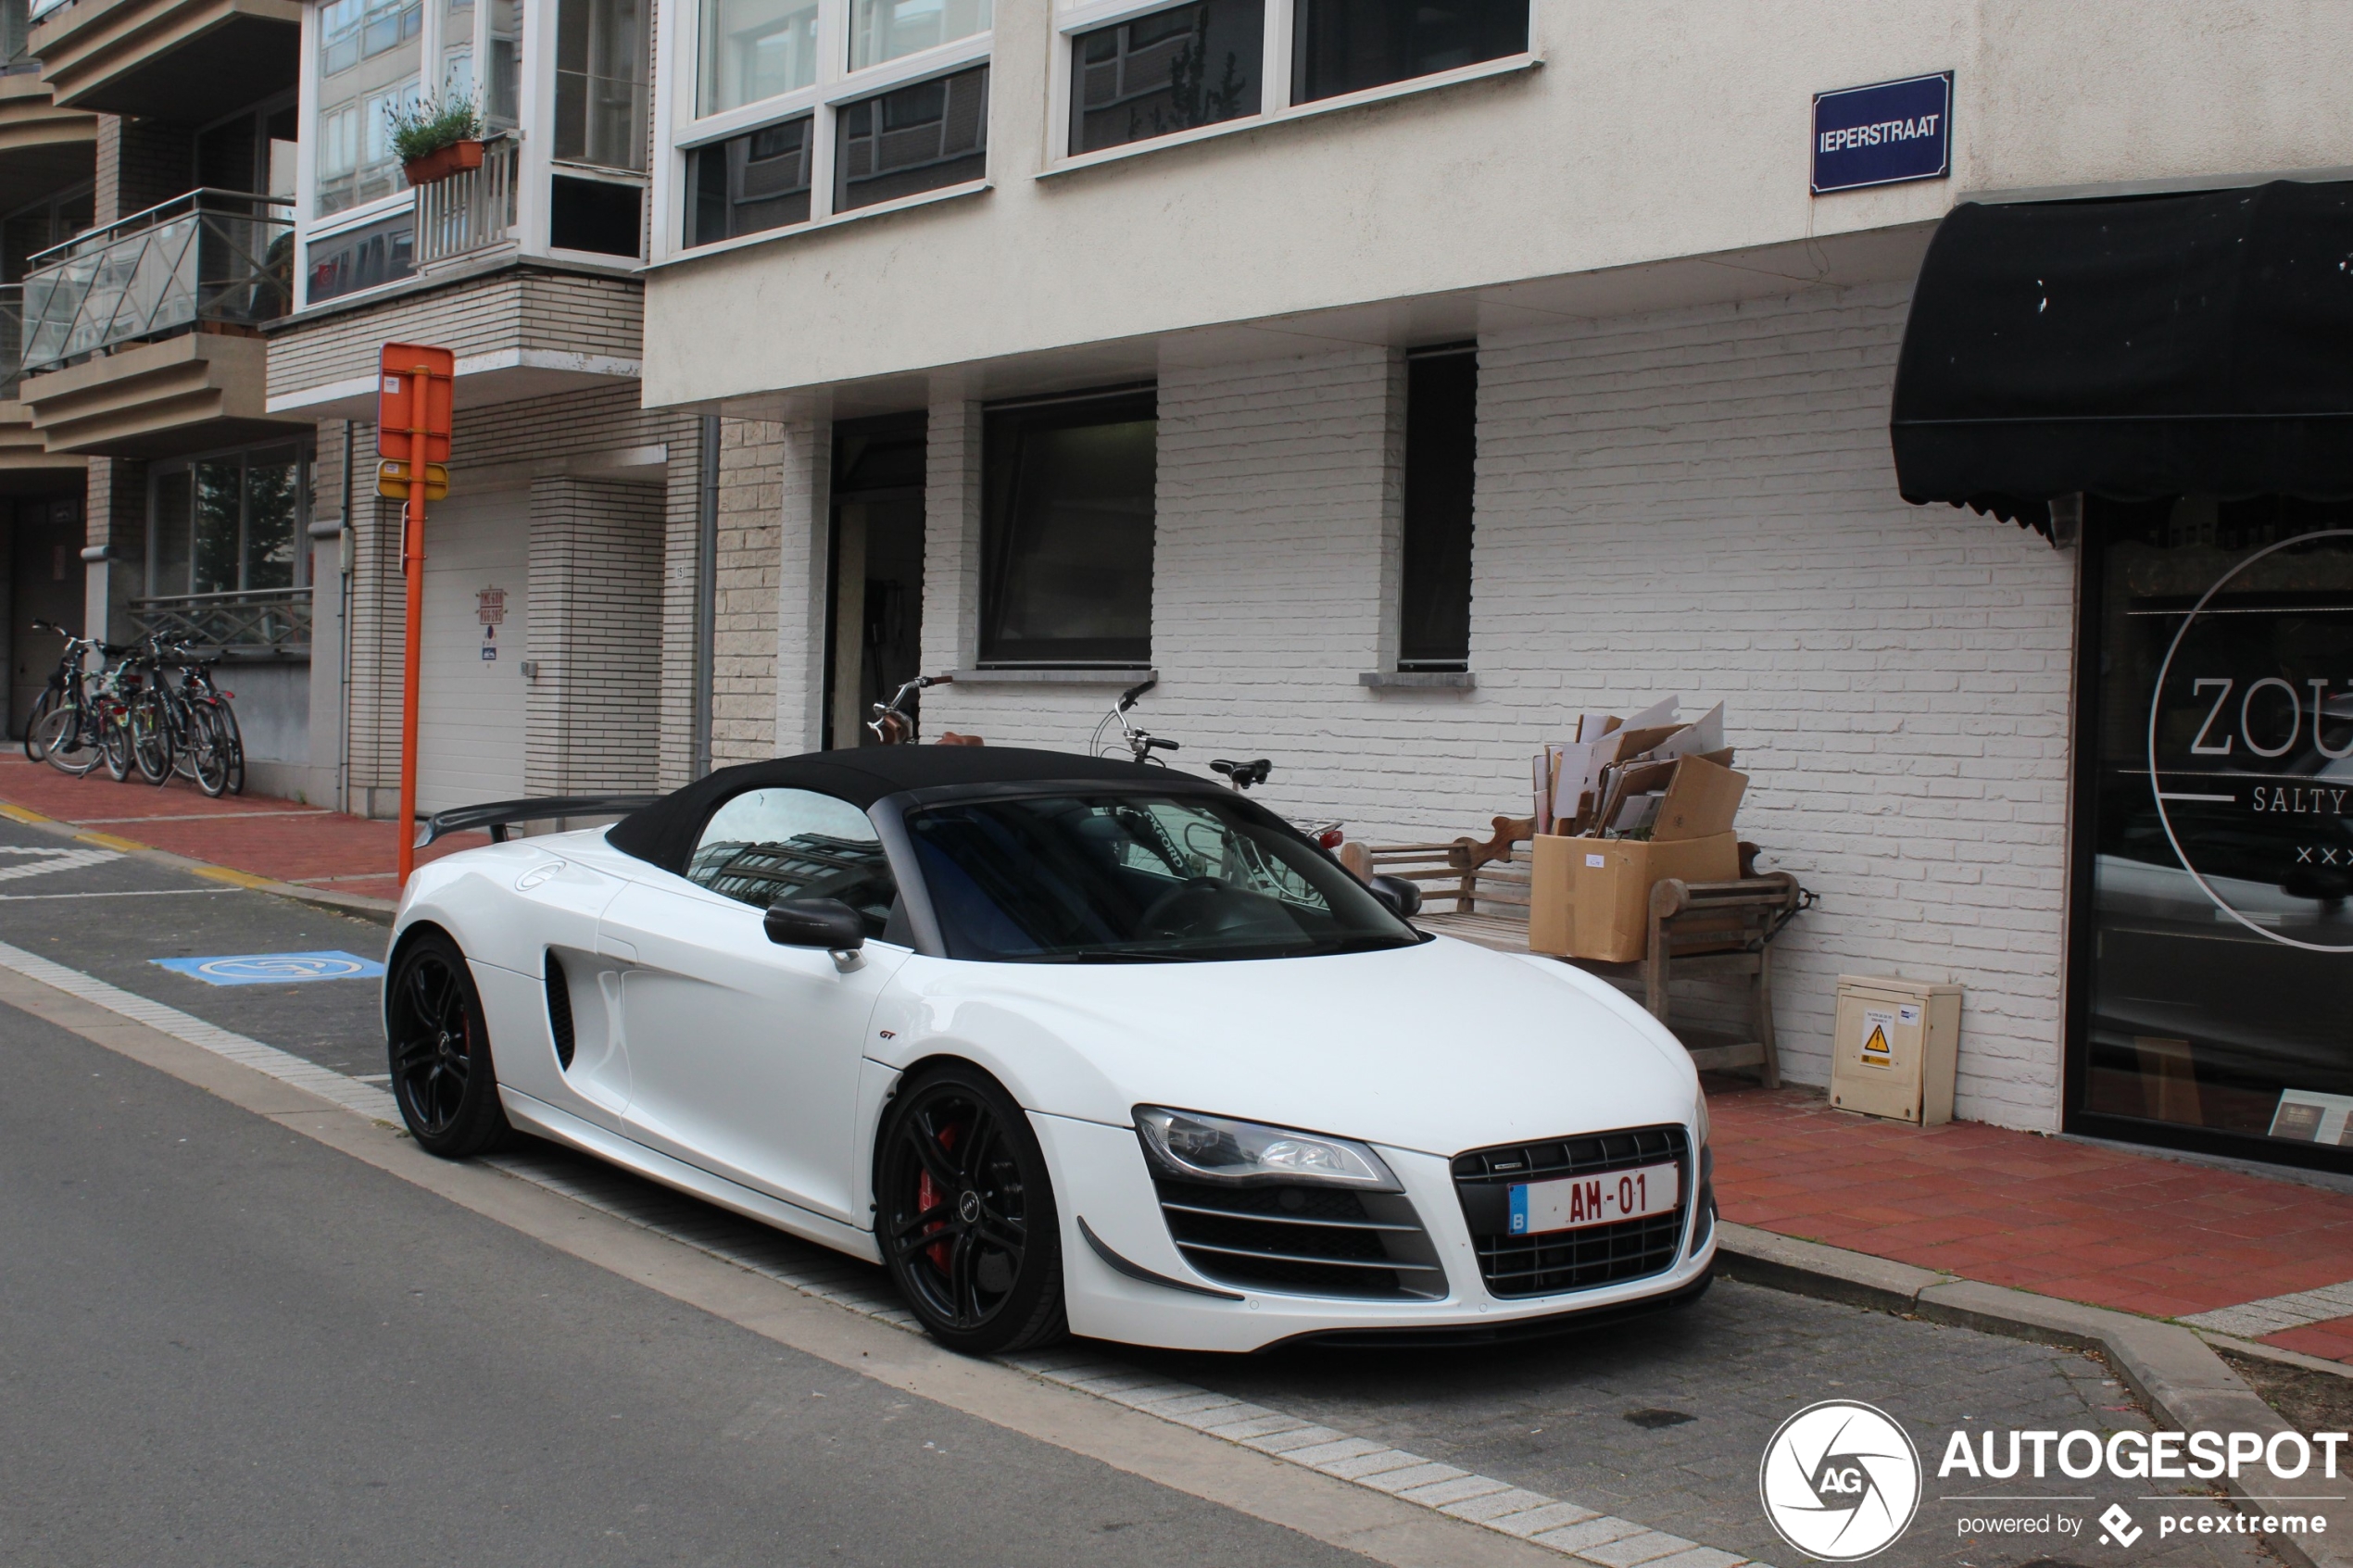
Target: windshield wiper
x=1108 y=955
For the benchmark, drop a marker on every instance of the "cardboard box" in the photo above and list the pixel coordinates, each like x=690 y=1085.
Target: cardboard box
x=1591 y=897
x=1701 y=801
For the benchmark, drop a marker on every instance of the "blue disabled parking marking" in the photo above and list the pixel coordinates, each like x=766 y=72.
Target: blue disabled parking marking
x=274 y=969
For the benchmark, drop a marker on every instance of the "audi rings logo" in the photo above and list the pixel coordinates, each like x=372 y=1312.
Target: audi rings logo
x=1840 y=1481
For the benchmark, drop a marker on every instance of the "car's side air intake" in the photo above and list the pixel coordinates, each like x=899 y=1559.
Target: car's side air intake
x=559 y=1010
x=1303 y=1241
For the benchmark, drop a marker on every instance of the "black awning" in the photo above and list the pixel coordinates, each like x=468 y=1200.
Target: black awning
x=2132 y=347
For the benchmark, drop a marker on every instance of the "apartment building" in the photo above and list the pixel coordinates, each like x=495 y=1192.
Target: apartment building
x=1396 y=380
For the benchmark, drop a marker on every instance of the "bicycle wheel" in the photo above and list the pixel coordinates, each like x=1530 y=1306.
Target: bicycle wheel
x=42 y=706
x=226 y=716
x=207 y=751
x=114 y=743
x=151 y=738
x=67 y=744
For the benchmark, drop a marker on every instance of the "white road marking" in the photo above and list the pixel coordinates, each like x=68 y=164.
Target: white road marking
x=125 y=892
x=44 y=861
x=1568 y=1528
x=2252 y=1320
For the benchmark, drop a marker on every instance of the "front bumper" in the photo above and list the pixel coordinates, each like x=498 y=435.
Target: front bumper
x=1099 y=1177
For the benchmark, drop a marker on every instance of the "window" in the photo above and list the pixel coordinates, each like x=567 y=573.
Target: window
x=769 y=843
x=920 y=138
x=226 y=524
x=777 y=69
x=600 y=83
x=1067 y=531
x=886 y=29
x=31 y=229
x=253 y=150
x=597 y=216
x=359 y=259
x=749 y=182
x=1172 y=71
x=370 y=55
x=755 y=49
x=1349 y=45
x=1441 y=448
x=501 y=108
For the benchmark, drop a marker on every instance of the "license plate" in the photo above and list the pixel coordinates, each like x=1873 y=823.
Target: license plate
x=1574 y=1202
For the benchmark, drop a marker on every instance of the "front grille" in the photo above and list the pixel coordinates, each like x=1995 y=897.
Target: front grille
x=1577 y=1260
x=1303 y=1241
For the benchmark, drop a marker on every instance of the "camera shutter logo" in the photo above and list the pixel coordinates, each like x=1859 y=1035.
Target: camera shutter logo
x=1840 y=1481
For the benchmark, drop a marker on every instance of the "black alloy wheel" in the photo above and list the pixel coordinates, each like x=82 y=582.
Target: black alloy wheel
x=965 y=1214
x=439 y=1050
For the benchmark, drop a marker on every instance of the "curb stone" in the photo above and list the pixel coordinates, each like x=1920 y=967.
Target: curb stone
x=2170 y=1367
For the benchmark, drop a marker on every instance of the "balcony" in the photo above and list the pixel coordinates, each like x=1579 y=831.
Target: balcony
x=43 y=147
x=251 y=623
x=140 y=338
x=209 y=258
x=190 y=62
x=470 y=211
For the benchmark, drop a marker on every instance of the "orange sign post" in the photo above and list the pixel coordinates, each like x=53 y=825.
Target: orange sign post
x=412 y=436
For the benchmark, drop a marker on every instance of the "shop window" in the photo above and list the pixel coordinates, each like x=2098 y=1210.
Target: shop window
x=229 y=523
x=601 y=82
x=595 y=215
x=1350 y=45
x=754 y=49
x=2217 y=806
x=750 y=184
x=920 y=138
x=1442 y=450
x=886 y=29
x=362 y=259
x=1067 y=531
x=1172 y=71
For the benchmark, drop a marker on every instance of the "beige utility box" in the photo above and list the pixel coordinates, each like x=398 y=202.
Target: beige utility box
x=1893 y=1048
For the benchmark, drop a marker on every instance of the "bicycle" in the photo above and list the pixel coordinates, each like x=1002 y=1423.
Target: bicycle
x=1142 y=745
x=63 y=728
x=893 y=726
x=202 y=727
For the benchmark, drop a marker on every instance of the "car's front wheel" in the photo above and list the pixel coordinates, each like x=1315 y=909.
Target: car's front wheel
x=442 y=1074
x=964 y=1214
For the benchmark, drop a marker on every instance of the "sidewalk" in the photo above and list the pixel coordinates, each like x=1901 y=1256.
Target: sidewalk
x=274 y=840
x=2244 y=1255
x=2238 y=1254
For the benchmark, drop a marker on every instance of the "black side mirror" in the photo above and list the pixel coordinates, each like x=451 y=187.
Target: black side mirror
x=817 y=923
x=1403 y=898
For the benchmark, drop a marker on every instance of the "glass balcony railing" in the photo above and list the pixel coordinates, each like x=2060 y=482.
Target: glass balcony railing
x=11 y=338
x=219 y=257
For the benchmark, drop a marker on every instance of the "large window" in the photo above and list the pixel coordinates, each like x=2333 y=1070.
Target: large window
x=227 y=524
x=359 y=259
x=1172 y=71
x=1188 y=66
x=601 y=82
x=805 y=108
x=1067 y=531
x=369 y=55
x=1441 y=447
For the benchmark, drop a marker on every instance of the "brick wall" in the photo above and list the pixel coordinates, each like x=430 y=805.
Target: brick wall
x=1696 y=503
x=744 y=642
x=141 y=162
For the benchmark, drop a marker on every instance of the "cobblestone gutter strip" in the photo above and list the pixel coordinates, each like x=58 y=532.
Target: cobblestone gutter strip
x=2175 y=1371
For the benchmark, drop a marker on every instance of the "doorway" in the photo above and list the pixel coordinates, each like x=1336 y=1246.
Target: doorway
x=472 y=714
x=878 y=577
x=44 y=584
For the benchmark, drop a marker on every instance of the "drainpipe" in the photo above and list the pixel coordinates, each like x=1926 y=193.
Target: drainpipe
x=706 y=593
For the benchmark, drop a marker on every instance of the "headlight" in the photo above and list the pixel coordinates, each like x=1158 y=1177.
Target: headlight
x=1699 y=1117
x=1192 y=1146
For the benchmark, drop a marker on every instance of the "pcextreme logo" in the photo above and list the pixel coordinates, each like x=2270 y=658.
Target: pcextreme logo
x=1840 y=1481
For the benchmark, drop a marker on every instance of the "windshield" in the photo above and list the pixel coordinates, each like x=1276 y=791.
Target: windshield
x=1136 y=877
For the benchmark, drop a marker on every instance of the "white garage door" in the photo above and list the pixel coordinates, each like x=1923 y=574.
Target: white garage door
x=471 y=722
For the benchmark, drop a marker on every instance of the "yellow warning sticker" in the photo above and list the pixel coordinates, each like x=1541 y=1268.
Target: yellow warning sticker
x=1876 y=1050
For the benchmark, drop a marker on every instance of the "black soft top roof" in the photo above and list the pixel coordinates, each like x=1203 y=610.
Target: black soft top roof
x=664 y=833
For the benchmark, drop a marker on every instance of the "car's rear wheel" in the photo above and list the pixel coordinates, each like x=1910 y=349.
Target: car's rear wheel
x=964 y=1214
x=442 y=1073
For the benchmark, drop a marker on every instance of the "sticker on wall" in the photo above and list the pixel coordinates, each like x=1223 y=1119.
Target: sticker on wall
x=1876 y=1050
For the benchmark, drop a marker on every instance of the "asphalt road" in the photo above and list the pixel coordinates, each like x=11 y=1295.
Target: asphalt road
x=222 y=1342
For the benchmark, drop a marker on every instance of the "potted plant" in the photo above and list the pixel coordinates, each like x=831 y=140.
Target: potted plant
x=435 y=140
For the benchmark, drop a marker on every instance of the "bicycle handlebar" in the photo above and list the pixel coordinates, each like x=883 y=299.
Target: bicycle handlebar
x=1127 y=698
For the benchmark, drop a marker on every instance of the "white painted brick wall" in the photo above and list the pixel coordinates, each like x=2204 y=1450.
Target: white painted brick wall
x=1697 y=502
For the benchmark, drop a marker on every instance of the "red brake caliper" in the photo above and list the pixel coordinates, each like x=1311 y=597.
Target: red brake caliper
x=929 y=1194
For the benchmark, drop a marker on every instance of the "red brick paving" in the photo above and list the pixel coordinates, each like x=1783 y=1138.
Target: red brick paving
x=2102 y=1226
x=277 y=839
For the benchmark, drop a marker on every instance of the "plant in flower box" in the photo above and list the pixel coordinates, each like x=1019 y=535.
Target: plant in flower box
x=435 y=140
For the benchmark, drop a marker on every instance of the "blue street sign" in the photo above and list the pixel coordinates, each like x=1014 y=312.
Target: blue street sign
x=1883 y=134
x=274 y=969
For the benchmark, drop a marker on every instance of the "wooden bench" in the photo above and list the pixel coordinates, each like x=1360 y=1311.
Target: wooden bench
x=1478 y=891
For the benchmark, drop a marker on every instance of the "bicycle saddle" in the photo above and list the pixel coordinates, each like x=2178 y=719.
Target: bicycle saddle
x=1244 y=774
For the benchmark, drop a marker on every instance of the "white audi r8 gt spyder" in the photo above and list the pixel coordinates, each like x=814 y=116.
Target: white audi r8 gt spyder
x=1066 y=1044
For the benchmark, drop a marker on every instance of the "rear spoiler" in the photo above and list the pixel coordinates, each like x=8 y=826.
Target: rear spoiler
x=498 y=815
